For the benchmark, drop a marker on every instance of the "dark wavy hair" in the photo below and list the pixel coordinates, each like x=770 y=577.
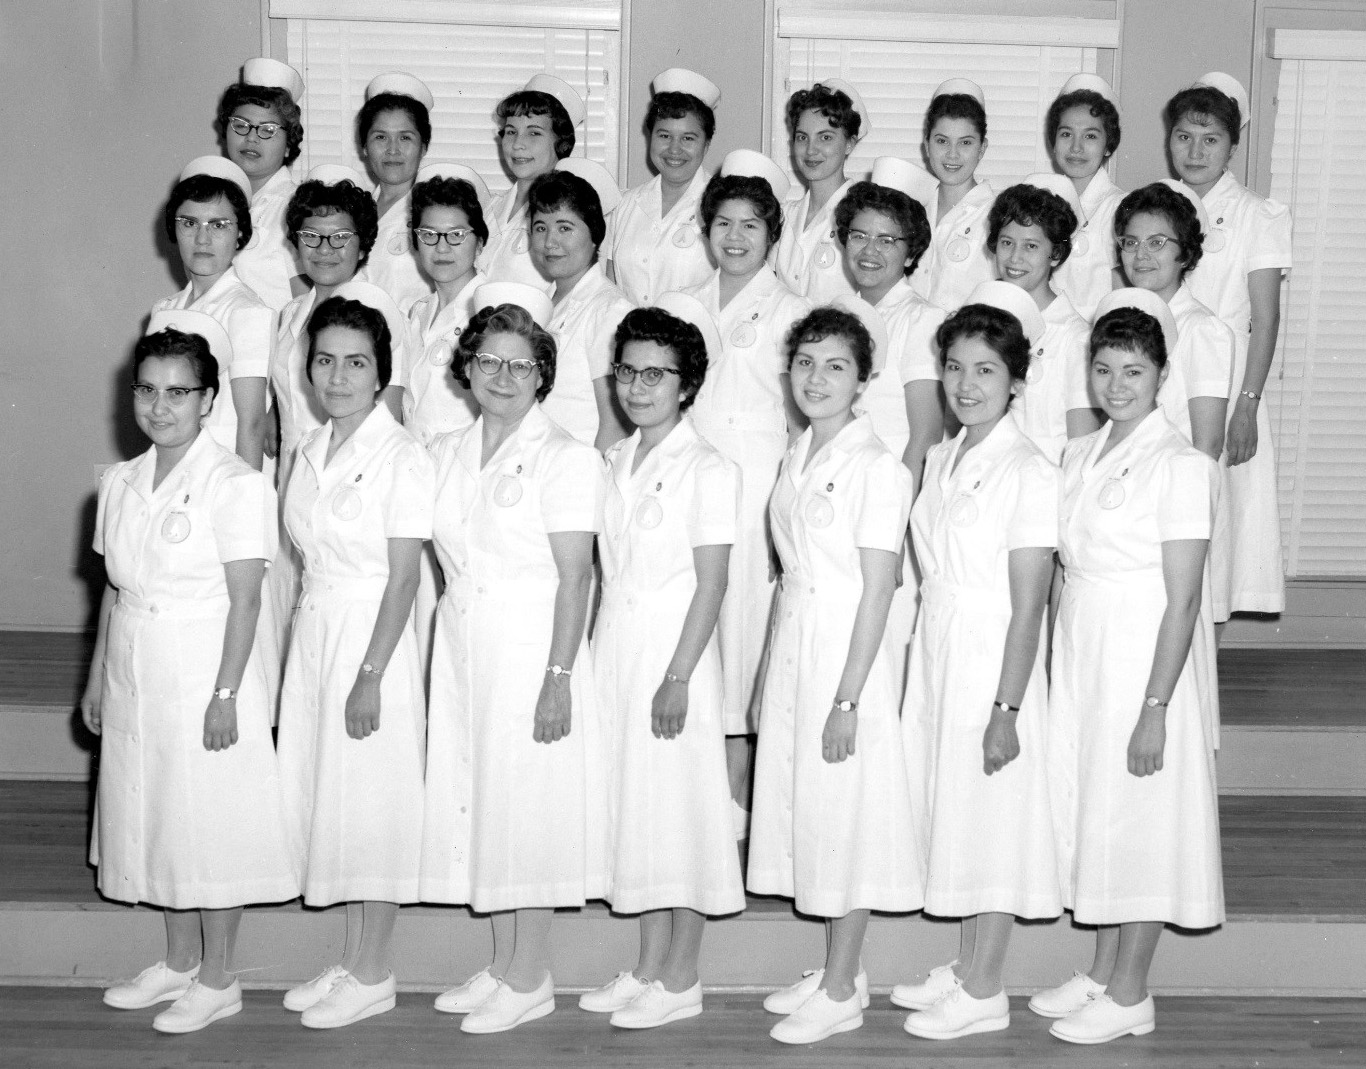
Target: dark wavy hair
x=340 y=312
x=834 y=104
x=756 y=191
x=1130 y=330
x=906 y=214
x=506 y=319
x=956 y=106
x=678 y=106
x=994 y=327
x=172 y=344
x=264 y=96
x=1097 y=105
x=318 y=198
x=683 y=339
x=559 y=190
x=1204 y=105
x=831 y=322
x=1028 y=205
x=201 y=189
x=1160 y=199
x=447 y=193
x=529 y=102
x=381 y=102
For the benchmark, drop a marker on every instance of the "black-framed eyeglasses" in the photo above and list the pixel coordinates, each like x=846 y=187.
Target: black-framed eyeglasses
x=337 y=240
x=175 y=395
x=882 y=242
x=455 y=236
x=264 y=130
x=491 y=365
x=1153 y=243
x=651 y=376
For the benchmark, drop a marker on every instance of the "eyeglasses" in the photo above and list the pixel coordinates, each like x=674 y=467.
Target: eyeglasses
x=185 y=225
x=175 y=395
x=491 y=365
x=454 y=237
x=651 y=376
x=337 y=240
x=883 y=242
x=1155 y=243
x=264 y=130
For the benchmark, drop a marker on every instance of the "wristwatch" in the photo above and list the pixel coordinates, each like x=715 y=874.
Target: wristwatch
x=224 y=694
x=558 y=670
x=369 y=669
x=1005 y=707
x=1155 y=703
x=847 y=706
x=675 y=679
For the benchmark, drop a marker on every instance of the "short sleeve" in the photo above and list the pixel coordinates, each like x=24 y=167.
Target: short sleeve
x=1271 y=237
x=602 y=344
x=715 y=502
x=410 y=491
x=1034 y=523
x=788 y=310
x=1076 y=366
x=405 y=353
x=251 y=328
x=610 y=239
x=573 y=488
x=882 y=503
x=1184 y=496
x=102 y=505
x=917 y=354
x=245 y=517
x=1207 y=344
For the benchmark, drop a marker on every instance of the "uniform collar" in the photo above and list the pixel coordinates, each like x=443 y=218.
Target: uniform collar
x=984 y=455
x=687 y=203
x=377 y=426
x=1096 y=191
x=900 y=292
x=675 y=444
x=427 y=315
x=1060 y=310
x=594 y=280
x=141 y=470
x=1226 y=188
x=280 y=184
x=857 y=432
x=1154 y=425
x=522 y=449
x=978 y=195
x=803 y=215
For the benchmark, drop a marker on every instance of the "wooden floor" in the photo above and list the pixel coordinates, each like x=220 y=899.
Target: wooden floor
x=68 y=1028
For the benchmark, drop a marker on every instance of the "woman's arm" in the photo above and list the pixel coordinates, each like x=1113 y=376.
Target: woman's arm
x=1264 y=291
x=1031 y=576
x=573 y=553
x=249 y=402
x=669 y=710
x=395 y=608
x=610 y=428
x=925 y=413
x=879 y=584
x=244 y=608
x=1183 y=568
x=93 y=697
x=1207 y=424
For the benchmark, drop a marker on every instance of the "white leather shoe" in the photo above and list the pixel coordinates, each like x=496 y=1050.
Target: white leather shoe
x=819 y=1017
x=656 y=1006
x=789 y=999
x=614 y=995
x=506 y=1009
x=1067 y=997
x=462 y=998
x=922 y=996
x=959 y=1014
x=303 y=996
x=156 y=983
x=350 y=1001
x=199 y=1007
x=1103 y=1019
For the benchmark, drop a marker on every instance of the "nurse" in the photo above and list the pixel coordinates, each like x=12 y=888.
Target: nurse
x=668 y=529
x=568 y=224
x=187 y=813
x=745 y=409
x=1082 y=132
x=975 y=718
x=1247 y=256
x=260 y=123
x=208 y=218
x=955 y=141
x=654 y=241
x=535 y=131
x=825 y=124
x=516 y=818
x=1130 y=765
x=393 y=133
x=352 y=716
x=832 y=823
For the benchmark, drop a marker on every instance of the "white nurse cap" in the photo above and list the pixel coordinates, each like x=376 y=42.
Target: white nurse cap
x=370 y=295
x=400 y=84
x=1095 y=83
x=905 y=177
x=1231 y=88
x=691 y=310
x=536 y=303
x=679 y=80
x=750 y=164
x=272 y=74
x=872 y=322
x=461 y=172
x=331 y=174
x=1144 y=301
x=561 y=91
x=961 y=86
x=1195 y=201
x=219 y=167
x=841 y=86
x=201 y=323
x=1058 y=184
x=1009 y=297
x=597 y=176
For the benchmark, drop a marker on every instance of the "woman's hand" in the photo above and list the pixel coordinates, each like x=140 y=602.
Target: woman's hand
x=553 y=709
x=1147 y=742
x=669 y=710
x=1000 y=743
x=1240 y=443
x=220 y=724
x=362 y=706
x=837 y=740
x=92 y=700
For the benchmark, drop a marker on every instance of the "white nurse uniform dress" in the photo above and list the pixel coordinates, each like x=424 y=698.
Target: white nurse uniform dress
x=672 y=842
x=507 y=253
x=511 y=823
x=1129 y=848
x=836 y=837
x=652 y=252
x=1057 y=380
x=809 y=260
x=177 y=825
x=268 y=262
x=584 y=325
x=958 y=258
x=1087 y=274
x=990 y=837
x=353 y=807
x=740 y=410
x=392 y=265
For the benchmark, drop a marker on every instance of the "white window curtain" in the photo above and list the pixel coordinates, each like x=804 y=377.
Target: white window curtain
x=1317 y=396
